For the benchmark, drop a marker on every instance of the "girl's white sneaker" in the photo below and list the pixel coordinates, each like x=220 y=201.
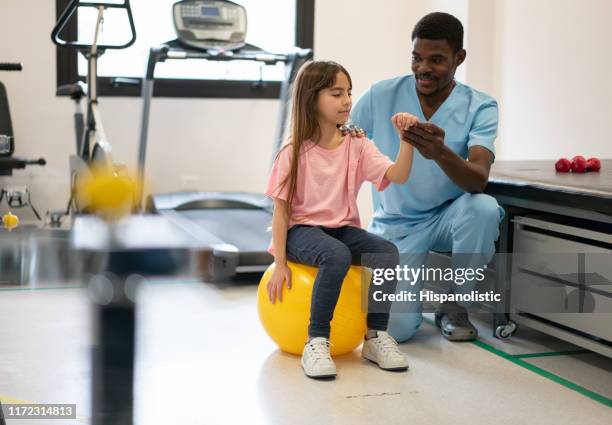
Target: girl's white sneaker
x=383 y=351
x=316 y=359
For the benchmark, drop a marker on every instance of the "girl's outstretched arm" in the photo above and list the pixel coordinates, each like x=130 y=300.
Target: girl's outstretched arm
x=400 y=170
x=282 y=273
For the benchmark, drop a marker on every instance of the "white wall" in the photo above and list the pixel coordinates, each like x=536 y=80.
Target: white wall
x=553 y=77
x=545 y=61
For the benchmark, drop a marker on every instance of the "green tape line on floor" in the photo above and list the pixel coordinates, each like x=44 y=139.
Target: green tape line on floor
x=549 y=375
x=568 y=384
x=548 y=354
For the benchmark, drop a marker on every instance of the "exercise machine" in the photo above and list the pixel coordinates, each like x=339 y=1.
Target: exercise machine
x=16 y=196
x=92 y=147
x=234 y=224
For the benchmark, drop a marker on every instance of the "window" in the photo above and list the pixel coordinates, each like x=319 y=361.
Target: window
x=273 y=25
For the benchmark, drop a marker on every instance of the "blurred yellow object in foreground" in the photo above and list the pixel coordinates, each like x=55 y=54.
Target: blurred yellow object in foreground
x=111 y=195
x=10 y=221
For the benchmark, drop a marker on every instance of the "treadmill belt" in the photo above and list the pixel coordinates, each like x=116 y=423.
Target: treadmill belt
x=245 y=229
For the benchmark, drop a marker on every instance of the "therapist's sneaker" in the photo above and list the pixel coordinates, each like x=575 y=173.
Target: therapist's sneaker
x=454 y=323
x=383 y=351
x=316 y=359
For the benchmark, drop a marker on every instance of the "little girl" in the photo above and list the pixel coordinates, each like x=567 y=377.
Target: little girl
x=314 y=183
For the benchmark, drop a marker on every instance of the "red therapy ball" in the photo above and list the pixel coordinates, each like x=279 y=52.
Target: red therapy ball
x=579 y=164
x=593 y=164
x=563 y=165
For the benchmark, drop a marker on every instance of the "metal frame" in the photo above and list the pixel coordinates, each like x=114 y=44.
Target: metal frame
x=93 y=148
x=73 y=6
x=67 y=68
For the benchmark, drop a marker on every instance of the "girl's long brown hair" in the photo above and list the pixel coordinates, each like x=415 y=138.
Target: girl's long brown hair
x=312 y=77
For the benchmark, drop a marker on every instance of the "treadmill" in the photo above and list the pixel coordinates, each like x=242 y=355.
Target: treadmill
x=233 y=224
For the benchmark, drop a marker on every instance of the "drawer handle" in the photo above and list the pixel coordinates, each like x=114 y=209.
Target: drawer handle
x=535 y=236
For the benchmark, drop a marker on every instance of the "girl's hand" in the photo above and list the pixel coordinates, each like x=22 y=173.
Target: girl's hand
x=402 y=121
x=353 y=130
x=281 y=273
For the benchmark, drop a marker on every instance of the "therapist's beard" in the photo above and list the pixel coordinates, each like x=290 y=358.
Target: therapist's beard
x=439 y=89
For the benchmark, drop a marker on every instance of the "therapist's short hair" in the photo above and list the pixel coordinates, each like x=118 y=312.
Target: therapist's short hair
x=440 y=26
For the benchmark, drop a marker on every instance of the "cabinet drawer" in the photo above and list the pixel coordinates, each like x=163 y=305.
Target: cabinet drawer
x=563 y=274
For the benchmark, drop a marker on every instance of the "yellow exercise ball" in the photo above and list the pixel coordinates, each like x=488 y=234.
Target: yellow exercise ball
x=286 y=322
x=109 y=194
x=10 y=221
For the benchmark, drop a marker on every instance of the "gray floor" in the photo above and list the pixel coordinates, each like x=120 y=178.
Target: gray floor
x=565 y=360
x=203 y=358
x=588 y=370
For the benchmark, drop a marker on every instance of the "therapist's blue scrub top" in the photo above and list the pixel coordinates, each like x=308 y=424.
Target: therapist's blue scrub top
x=468 y=117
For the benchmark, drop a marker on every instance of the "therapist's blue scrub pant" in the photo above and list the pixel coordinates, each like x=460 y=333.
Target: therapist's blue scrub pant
x=468 y=225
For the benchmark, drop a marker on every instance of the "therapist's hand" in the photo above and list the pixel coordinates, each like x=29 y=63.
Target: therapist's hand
x=427 y=138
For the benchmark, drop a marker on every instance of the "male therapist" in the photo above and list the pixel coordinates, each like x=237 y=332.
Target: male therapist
x=441 y=207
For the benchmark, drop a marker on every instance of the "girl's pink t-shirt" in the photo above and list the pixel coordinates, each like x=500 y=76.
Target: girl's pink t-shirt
x=328 y=181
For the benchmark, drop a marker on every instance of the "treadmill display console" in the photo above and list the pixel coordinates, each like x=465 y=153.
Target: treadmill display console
x=210 y=24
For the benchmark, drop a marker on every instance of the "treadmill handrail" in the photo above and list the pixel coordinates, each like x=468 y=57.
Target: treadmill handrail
x=174 y=50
